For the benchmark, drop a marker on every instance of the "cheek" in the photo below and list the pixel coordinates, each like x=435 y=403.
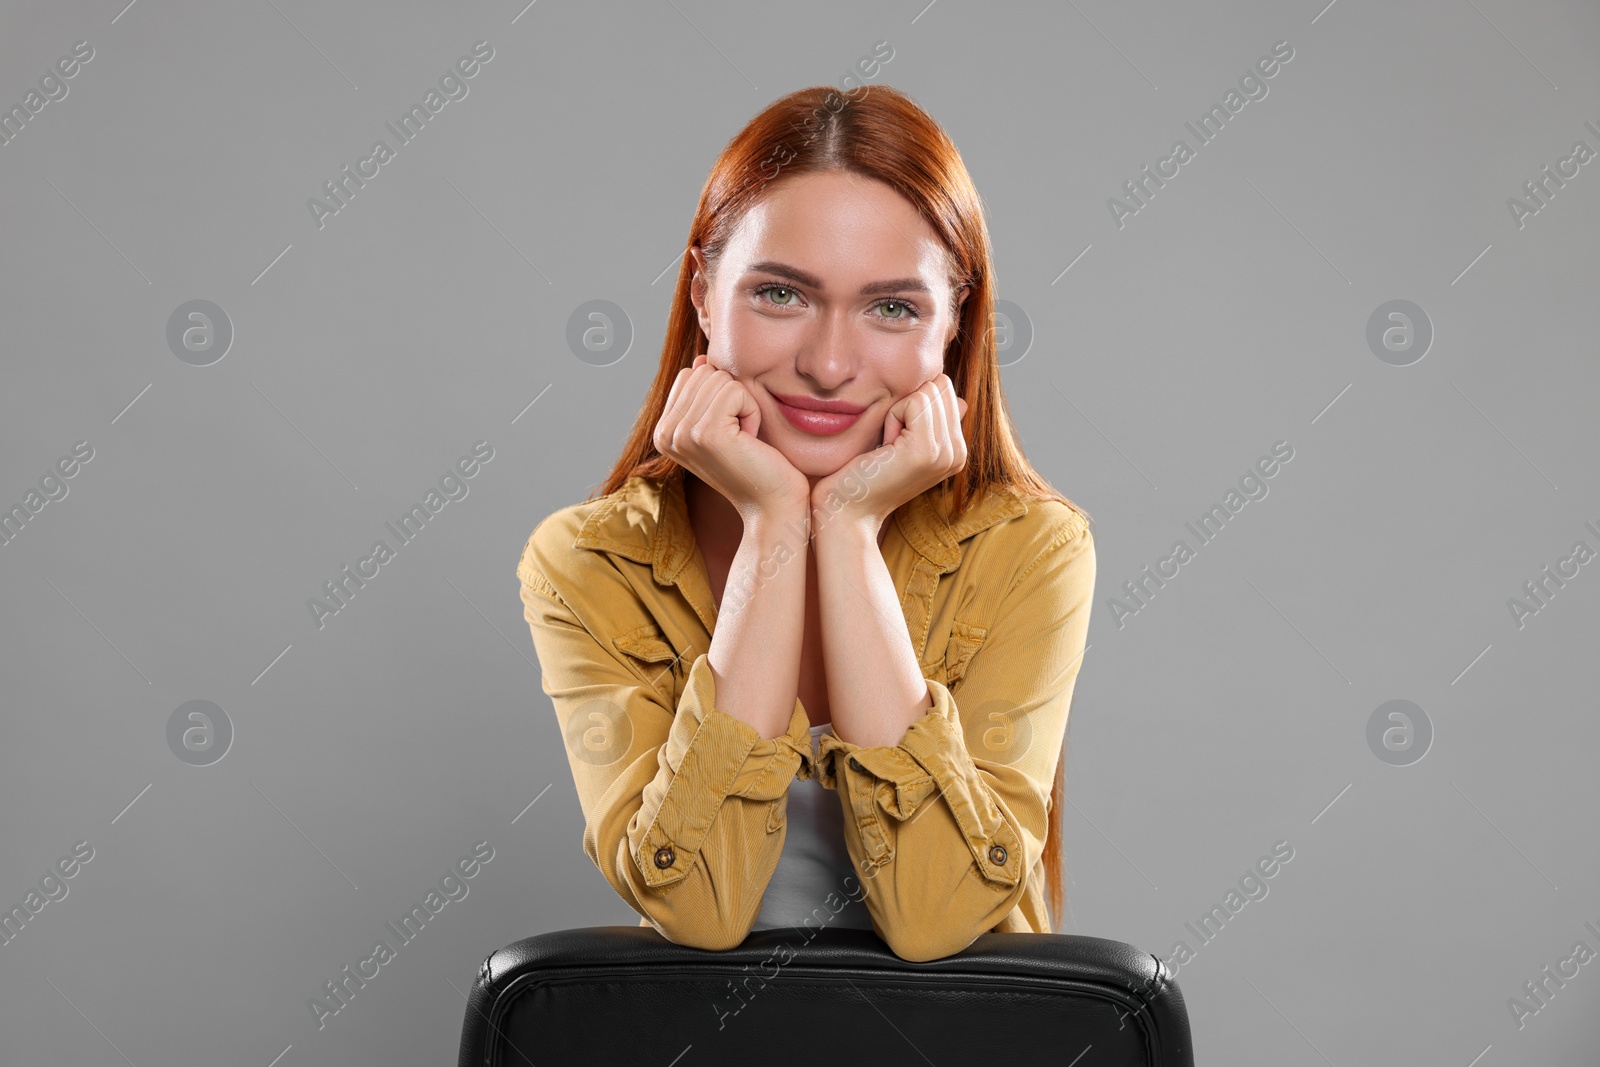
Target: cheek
x=906 y=362
x=753 y=343
x=767 y=330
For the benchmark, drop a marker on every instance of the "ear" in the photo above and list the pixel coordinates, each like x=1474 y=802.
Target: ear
x=955 y=314
x=700 y=288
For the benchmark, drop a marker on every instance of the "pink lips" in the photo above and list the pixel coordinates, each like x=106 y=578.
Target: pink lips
x=820 y=417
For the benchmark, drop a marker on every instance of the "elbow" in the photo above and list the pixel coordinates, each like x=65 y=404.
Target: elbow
x=681 y=911
x=925 y=941
x=919 y=937
x=691 y=928
x=938 y=925
x=708 y=939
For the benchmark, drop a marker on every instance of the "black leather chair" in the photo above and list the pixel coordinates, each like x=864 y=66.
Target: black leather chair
x=626 y=995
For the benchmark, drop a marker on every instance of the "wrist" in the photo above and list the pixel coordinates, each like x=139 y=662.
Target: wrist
x=789 y=524
x=844 y=524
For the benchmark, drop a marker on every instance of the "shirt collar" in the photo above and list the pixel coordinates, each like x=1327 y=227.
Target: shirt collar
x=647 y=520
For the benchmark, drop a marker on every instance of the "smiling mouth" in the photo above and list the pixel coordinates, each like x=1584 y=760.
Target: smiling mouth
x=817 y=423
x=814 y=403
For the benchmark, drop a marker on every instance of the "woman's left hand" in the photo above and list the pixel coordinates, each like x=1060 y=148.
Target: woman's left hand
x=923 y=444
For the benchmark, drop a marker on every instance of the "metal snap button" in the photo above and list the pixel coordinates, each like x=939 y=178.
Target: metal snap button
x=855 y=765
x=664 y=857
x=997 y=855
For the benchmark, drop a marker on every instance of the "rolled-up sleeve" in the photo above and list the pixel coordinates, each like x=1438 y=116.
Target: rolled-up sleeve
x=945 y=827
x=684 y=806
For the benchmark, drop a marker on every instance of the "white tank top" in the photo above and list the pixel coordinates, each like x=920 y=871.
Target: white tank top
x=814 y=864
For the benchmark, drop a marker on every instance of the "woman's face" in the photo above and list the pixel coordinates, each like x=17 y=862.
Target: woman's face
x=832 y=288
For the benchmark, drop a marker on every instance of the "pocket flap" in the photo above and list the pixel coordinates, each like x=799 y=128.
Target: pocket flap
x=646 y=643
x=965 y=640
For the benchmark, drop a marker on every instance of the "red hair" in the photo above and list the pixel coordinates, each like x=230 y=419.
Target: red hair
x=878 y=133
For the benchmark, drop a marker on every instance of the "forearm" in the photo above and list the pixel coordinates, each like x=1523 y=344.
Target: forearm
x=755 y=650
x=875 y=685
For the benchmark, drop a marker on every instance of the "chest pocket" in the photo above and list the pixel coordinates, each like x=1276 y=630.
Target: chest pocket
x=654 y=658
x=965 y=641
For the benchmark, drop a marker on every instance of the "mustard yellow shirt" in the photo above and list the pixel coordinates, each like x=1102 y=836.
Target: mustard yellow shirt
x=684 y=805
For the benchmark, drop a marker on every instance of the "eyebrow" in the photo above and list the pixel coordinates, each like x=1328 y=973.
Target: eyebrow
x=893 y=285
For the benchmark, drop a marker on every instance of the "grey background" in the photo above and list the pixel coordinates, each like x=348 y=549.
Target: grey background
x=1230 y=313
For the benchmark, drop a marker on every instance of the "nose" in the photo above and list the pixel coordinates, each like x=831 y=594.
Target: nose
x=827 y=353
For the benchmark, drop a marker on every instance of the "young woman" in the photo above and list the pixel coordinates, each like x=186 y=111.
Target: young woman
x=813 y=643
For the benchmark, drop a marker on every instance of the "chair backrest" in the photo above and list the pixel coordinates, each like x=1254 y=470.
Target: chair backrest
x=625 y=995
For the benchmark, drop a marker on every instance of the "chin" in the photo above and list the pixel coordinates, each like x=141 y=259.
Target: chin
x=816 y=456
x=823 y=460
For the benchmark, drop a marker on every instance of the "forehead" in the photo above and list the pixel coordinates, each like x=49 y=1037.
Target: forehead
x=839 y=225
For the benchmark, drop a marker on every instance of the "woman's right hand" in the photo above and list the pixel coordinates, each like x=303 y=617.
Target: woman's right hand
x=709 y=427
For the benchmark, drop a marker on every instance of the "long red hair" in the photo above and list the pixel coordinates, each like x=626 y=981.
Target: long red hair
x=879 y=133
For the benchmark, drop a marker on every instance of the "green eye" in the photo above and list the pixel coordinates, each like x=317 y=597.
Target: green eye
x=780 y=289
x=904 y=311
